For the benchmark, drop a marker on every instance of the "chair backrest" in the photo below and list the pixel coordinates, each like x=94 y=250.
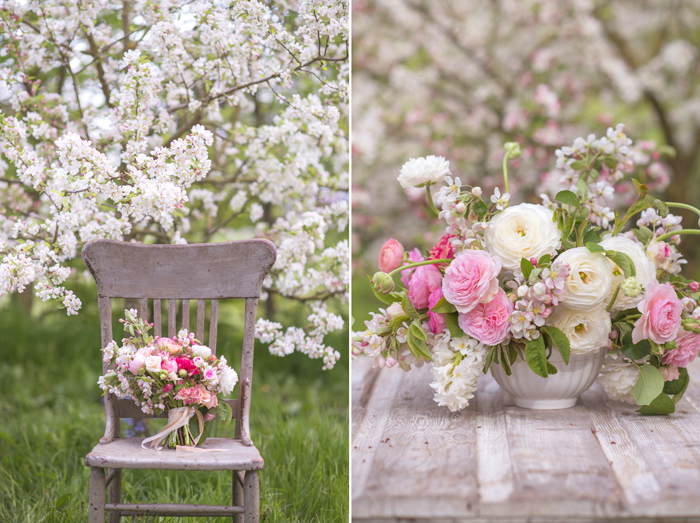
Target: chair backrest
x=167 y=273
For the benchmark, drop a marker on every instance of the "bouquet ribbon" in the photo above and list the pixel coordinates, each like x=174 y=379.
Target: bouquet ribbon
x=177 y=418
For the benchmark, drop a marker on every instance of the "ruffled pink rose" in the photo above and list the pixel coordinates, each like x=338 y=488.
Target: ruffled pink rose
x=169 y=366
x=688 y=347
x=413 y=257
x=424 y=281
x=442 y=250
x=471 y=279
x=197 y=395
x=391 y=255
x=437 y=322
x=661 y=314
x=488 y=322
x=138 y=363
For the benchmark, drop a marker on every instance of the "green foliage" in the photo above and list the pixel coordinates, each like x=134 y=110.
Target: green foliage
x=52 y=417
x=559 y=340
x=569 y=198
x=443 y=307
x=638 y=350
x=649 y=385
x=536 y=356
x=527 y=267
x=661 y=405
x=453 y=325
x=679 y=385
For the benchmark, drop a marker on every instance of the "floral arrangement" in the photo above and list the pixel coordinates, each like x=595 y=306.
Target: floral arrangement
x=520 y=282
x=161 y=374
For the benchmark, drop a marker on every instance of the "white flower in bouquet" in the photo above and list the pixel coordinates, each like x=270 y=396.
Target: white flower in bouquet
x=419 y=171
x=153 y=363
x=587 y=331
x=228 y=380
x=457 y=366
x=646 y=271
x=590 y=279
x=617 y=379
x=523 y=231
x=202 y=351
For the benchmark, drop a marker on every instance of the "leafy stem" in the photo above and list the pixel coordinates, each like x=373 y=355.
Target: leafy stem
x=430 y=200
x=417 y=264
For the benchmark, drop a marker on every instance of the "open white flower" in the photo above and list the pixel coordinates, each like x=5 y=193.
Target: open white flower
x=617 y=379
x=523 y=231
x=419 y=171
x=228 y=380
x=587 y=331
x=590 y=279
x=646 y=271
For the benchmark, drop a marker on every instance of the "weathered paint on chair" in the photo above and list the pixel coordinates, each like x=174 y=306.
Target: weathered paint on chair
x=165 y=274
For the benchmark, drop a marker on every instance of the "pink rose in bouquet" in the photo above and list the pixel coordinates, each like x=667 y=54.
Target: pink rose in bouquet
x=471 y=279
x=413 y=257
x=661 y=314
x=442 y=250
x=424 y=281
x=488 y=322
x=688 y=347
x=437 y=321
x=391 y=256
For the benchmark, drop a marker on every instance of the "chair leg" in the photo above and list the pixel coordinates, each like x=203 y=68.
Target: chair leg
x=115 y=495
x=237 y=496
x=251 y=494
x=97 y=495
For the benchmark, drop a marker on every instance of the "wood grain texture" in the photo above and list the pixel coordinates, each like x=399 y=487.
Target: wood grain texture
x=209 y=271
x=598 y=461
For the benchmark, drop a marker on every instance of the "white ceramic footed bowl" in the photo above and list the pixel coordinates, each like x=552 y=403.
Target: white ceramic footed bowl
x=558 y=391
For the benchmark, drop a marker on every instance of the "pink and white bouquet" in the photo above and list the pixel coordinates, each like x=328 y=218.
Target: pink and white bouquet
x=178 y=375
x=519 y=282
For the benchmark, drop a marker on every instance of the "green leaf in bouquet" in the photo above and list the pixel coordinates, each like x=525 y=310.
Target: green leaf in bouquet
x=489 y=359
x=384 y=298
x=512 y=354
x=594 y=174
x=417 y=331
x=582 y=187
x=594 y=247
x=591 y=236
x=662 y=207
x=480 y=208
x=443 y=306
x=679 y=385
x=544 y=261
x=535 y=274
x=504 y=362
x=643 y=234
x=580 y=232
x=417 y=346
x=560 y=340
x=660 y=406
x=610 y=162
x=527 y=267
x=568 y=198
x=225 y=413
x=396 y=323
x=452 y=320
x=408 y=307
x=551 y=369
x=578 y=165
x=568 y=228
x=536 y=356
x=623 y=261
x=649 y=385
x=638 y=350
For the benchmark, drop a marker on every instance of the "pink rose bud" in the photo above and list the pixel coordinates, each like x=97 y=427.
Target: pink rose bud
x=694 y=286
x=391 y=256
x=533 y=261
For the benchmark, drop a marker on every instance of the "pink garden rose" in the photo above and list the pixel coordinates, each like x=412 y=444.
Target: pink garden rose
x=391 y=256
x=169 y=365
x=413 y=257
x=488 y=322
x=424 y=281
x=442 y=250
x=138 y=363
x=669 y=372
x=171 y=346
x=471 y=279
x=436 y=321
x=661 y=314
x=688 y=347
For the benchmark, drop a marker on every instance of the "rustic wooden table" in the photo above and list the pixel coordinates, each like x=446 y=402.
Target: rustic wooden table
x=598 y=461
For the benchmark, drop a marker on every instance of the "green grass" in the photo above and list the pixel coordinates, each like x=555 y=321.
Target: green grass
x=51 y=416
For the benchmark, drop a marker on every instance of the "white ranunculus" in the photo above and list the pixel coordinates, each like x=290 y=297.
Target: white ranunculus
x=590 y=279
x=228 y=380
x=587 y=331
x=202 y=351
x=617 y=379
x=646 y=271
x=523 y=231
x=419 y=171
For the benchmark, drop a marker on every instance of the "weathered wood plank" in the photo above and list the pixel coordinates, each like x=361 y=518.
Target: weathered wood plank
x=213 y=323
x=172 y=318
x=186 y=314
x=201 y=304
x=493 y=453
x=157 y=321
x=363 y=379
x=429 y=453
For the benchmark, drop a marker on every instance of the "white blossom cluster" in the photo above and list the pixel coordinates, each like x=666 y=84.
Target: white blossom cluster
x=173 y=122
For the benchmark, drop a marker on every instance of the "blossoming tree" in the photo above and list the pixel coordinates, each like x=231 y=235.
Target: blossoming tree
x=458 y=79
x=178 y=121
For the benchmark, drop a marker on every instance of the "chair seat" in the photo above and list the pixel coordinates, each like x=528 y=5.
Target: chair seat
x=127 y=453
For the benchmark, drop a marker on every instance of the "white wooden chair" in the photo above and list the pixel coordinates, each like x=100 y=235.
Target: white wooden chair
x=169 y=273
